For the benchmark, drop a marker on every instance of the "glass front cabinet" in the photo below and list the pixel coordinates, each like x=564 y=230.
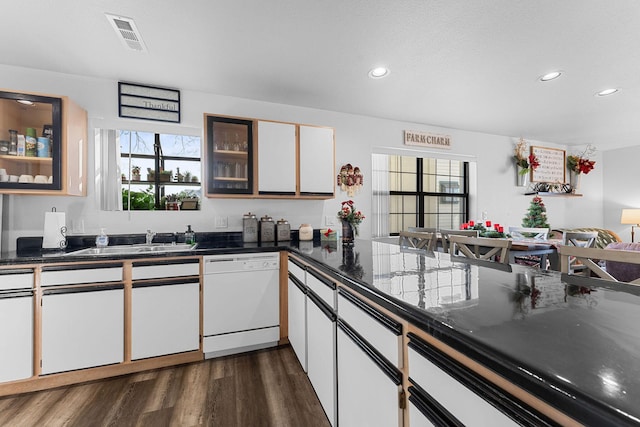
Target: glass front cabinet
x=42 y=145
x=229 y=155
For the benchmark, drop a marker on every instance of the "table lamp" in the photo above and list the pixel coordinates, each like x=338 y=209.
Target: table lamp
x=631 y=216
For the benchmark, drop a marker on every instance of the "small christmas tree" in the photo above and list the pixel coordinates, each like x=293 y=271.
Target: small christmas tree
x=537 y=215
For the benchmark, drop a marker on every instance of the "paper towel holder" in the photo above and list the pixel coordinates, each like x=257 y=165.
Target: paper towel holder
x=55 y=230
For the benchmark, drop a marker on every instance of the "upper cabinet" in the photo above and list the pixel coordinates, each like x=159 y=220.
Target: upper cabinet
x=43 y=143
x=277 y=158
x=289 y=160
x=317 y=154
x=229 y=161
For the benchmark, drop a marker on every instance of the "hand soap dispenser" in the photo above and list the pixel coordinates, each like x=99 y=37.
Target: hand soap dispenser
x=102 y=240
x=189 y=236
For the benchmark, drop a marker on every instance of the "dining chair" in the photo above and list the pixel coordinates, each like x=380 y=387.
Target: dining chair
x=522 y=233
x=417 y=240
x=526 y=233
x=589 y=258
x=580 y=239
x=481 y=248
x=444 y=235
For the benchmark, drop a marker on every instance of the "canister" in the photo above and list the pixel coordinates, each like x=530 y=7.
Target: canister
x=249 y=228
x=30 y=147
x=267 y=229
x=43 y=146
x=305 y=232
x=283 y=230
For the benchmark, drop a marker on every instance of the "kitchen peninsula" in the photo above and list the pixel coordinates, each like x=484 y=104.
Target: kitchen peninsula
x=539 y=348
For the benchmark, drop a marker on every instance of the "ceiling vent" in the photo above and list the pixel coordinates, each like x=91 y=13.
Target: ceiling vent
x=127 y=32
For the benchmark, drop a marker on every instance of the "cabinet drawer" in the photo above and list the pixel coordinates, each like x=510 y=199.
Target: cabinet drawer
x=16 y=279
x=322 y=287
x=297 y=270
x=176 y=268
x=382 y=332
x=458 y=390
x=71 y=275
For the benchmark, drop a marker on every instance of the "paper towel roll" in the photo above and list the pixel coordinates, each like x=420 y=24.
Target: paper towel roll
x=54 y=230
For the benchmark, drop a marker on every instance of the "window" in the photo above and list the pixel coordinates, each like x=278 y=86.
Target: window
x=159 y=171
x=427 y=193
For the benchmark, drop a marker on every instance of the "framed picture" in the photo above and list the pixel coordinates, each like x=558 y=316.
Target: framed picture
x=552 y=165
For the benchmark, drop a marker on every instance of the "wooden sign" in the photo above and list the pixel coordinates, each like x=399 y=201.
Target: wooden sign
x=148 y=102
x=552 y=165
x=424 y=139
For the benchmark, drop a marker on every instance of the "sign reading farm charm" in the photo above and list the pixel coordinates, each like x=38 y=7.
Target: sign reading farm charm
x=147 y=102
x=424 y=139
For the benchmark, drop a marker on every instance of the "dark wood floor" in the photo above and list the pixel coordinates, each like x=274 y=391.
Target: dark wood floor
x=262 y=388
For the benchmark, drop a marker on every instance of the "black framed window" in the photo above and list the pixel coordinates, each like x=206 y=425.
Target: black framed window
x=427 y=192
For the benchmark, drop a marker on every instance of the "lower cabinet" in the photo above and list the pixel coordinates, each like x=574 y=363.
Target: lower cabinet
x=444 y=392
x=164 y=318
x=82 y=327
x=369 y=385
x=297 y=314
x=321 y=353
x=16 y=335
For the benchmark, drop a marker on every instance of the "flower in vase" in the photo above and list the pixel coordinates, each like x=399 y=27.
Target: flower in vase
x=349 y=213
x=527 y=163
x=580 y=163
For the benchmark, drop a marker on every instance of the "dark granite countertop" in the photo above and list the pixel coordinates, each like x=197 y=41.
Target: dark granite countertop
x=572 y=342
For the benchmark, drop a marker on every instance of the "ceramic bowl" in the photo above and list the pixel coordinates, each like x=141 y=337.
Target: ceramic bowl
x=25 y=178
x=41 y=179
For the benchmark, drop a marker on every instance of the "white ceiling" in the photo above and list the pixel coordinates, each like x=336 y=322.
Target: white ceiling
x=465 y=64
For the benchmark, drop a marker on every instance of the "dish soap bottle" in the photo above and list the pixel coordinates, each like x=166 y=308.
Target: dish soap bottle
x=189 y=236
x=102 y=240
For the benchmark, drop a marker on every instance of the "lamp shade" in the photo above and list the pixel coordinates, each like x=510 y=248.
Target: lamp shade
x=630 y=216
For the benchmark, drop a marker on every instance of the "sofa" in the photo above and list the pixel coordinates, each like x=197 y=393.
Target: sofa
x=622 y=271
x=605 y=237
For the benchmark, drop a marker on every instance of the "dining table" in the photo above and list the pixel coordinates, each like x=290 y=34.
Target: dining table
x=547 y=250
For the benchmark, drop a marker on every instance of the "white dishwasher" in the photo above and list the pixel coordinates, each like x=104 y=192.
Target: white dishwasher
x=241 y=303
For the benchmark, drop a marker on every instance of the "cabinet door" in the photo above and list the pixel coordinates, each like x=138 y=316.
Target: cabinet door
x=16 y=335
x=358 y=374
x=317 y=161
x=276 y=158
x=229 y=165
x=321 y=354
x=165 y=318
x=82 y=327
x=297 y=310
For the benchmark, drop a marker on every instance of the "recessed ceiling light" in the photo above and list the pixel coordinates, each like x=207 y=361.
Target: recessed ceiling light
x=378 y=72
x=607 y=92
x=550 y=76
x=24 y=101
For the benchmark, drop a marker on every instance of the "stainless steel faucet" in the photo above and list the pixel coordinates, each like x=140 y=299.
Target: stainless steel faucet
x=150 y=235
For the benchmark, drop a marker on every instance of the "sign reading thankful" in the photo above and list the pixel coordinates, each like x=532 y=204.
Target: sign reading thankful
x=424 y=139
x=148 y=102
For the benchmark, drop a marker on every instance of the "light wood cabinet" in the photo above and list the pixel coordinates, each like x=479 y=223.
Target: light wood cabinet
x=288 y=160
x=61 y=170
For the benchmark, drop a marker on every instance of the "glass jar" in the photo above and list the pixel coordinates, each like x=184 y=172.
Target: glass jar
x=13 y=142
x=305 y=232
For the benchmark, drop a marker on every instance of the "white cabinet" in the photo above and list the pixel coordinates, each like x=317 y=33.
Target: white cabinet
x=368 y=385
x=321 y=354
x=165 y=318
x=241 y=303
x=16 y=325
x=276 y=158
x=297 y=313
x=441 y=390
x=82 y=327
x=321 y=341
x=317 y=160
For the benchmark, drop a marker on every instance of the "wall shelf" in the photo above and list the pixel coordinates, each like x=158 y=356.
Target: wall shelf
x=551 y=194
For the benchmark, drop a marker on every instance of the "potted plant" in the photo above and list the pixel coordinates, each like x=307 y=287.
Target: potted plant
x=151 y=174
x=165 y=176
x=194 y=179
x=135 y=173
x=351 y=218
x=189 y=200
x=138 y=200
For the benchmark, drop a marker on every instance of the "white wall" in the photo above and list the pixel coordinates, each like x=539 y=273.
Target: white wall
x=622 y=176
x=356 y=138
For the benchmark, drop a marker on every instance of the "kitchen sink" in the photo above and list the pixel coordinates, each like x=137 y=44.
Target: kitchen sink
x=135 y=249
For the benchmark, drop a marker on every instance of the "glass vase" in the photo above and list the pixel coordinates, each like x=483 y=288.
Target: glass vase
x=348 y=232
